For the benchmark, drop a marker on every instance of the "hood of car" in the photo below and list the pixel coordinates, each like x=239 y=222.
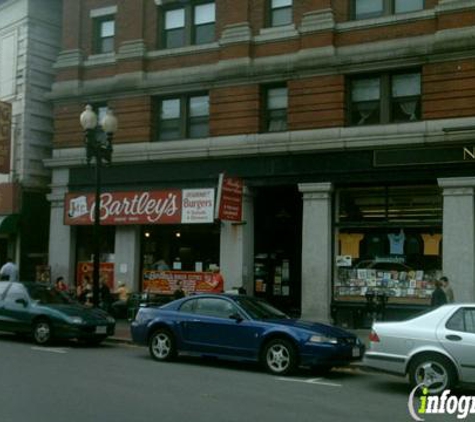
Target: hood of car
x=75 y=309
x=316 y=327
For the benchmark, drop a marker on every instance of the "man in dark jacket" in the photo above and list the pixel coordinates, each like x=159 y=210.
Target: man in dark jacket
x=438 y=297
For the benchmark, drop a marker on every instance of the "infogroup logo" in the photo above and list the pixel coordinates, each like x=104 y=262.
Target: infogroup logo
x=444 y=403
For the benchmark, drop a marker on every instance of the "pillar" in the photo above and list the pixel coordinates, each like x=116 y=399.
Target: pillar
x=316 y=251
x=458 y=236
x=127 y=257
x=237 y=248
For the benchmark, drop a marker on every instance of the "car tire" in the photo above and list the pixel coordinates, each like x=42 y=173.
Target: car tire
x=435 y=372
x=279 y=357
x=162 y=345
x=42 y=332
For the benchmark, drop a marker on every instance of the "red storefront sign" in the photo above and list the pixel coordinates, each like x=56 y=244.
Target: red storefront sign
x=5 y=136
x=85 y=270
x=166 y=282
x=230 y=198
x=145 y=207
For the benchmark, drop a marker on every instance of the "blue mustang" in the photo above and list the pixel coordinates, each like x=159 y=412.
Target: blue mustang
x=242 y=328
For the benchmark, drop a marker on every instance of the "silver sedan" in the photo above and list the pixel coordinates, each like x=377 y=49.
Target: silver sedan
x=436 y=349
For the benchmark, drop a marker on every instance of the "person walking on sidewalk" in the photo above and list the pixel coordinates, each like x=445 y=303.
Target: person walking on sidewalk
x=9 y=271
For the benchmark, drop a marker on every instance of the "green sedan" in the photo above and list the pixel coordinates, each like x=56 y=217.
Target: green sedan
x=46 y=314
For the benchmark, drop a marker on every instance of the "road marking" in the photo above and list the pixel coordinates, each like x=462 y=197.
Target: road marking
x=311 y=381
x=49 y=349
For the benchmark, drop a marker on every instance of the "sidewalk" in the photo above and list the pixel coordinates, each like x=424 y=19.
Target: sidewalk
x=122 y=333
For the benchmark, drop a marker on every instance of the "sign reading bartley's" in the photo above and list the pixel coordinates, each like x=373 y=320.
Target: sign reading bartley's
x=174 y=206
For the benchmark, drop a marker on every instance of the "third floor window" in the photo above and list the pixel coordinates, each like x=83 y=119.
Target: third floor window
x=385 y=98
x=193 y=23
x=366 y=9
x=104 y=33
x=275 y=109
x=280 y=12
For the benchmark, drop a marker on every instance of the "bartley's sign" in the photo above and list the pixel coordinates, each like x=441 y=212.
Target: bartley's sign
x=174 y=206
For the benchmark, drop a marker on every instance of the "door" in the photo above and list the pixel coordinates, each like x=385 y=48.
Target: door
x=217 y=327
x=15 y=309
x=458 y=338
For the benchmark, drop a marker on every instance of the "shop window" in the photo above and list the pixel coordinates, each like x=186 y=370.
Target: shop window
x=191 y=24
x=367 y=9
x=385 y=98
x=104 y=34
x=276 y=102
x=183 y=117
x=388 y=242
x=280 y=12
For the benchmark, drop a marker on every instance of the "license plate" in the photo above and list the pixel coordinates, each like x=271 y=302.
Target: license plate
x=356 y=352
x=101 y=330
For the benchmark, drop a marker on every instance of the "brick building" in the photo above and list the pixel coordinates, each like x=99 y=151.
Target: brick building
x=351 y=123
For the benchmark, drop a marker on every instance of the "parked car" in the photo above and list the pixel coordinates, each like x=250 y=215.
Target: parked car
x=436 y=349
x=244 y=328
x=44 y=313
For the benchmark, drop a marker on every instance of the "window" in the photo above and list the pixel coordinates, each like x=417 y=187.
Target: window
x=463 y=320
x=104 y=32
x=191 y=24
x=280 y=12
x=183 y=117
x=214 y=307
x=276 y=109
x=367 y=9
x=386 y=98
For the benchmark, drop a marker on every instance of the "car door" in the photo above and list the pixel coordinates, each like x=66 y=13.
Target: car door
x=15 y=312
x=218 y=327
x=457 y=336
x=3 y=288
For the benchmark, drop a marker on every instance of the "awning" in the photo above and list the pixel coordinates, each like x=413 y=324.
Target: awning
x=9 y=223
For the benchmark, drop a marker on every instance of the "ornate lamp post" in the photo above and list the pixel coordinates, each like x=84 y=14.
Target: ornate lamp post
x=98 y=140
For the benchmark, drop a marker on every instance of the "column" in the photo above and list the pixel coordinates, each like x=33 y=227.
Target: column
x=127 y=256
x=62 y=244
x=316 y=251
x=458 y=236
x=236 y=254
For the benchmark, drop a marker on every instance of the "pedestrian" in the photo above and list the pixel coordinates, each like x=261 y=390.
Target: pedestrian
x=9 y=271
x=119 y=307
x=438 y=297
x=179 y=292
x=217 y=282
x=105 y=297
x=60 y=285
x=449 y=293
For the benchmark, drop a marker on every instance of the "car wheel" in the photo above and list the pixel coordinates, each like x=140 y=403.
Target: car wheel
x=279 y=357
x=42 y=332
x=162 y=345
x=435 y=372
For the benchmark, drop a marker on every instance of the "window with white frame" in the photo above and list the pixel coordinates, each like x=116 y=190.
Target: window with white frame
x=104 y=34
x=280 y=12
x=385 y=98
x=183 y=117
x=191 y=24
x=276 y=102
x=367 y=9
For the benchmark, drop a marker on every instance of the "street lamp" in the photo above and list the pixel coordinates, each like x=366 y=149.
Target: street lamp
x=98 y=140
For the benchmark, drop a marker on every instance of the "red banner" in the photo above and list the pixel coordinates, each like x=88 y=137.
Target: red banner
x=5 y=136
x=230 y=198
x=166 y=282
x=106 y=272
x=174 y=206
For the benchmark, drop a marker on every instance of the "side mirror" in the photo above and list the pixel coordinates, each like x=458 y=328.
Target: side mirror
x=22 y=301
x=236 y=317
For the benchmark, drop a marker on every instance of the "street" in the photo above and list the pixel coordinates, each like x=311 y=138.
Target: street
x=118 y=382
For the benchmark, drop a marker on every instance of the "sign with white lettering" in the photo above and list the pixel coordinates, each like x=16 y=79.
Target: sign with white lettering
x=5 y=136
x=229 y=202
x=146 y=207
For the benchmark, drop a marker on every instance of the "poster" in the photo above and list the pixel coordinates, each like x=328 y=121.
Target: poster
x=166 y=282
x=106 y=272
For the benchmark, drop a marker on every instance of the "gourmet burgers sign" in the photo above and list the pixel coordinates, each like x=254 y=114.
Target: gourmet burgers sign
x=187 y=206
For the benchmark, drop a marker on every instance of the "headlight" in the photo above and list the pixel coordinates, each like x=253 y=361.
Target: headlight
x=76 y=320
x=141 y=316
x=322 y=339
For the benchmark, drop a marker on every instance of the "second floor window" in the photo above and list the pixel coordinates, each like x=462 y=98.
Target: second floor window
x=276 y=109
x=366 y=9
x=280 y=12
x=183 y=117
x=104 y=33
x=192 y=24
x=385 y=98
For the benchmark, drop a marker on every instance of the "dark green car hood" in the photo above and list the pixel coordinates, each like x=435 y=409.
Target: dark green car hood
x=75 y=309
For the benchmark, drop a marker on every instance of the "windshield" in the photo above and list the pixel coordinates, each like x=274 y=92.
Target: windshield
x=47 y=295
x=260 y=309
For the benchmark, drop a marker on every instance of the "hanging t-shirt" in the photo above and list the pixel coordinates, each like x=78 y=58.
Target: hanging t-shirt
x=375 y=245
x=350 y=244
x=431 y=243
x=396 y=243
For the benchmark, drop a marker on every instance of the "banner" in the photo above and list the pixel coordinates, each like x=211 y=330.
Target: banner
x=166 y=282
x=229 y=198
x=5 y=136
x=106 y=272
x=188 y=206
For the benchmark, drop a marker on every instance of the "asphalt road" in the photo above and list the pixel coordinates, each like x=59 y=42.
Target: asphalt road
x=120 y=383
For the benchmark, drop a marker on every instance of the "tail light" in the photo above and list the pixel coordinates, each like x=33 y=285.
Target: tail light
x=373 y=337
